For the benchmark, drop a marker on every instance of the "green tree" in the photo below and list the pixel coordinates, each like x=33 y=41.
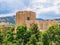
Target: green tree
x=21 y=35
x=34 y=29
x=1 y=37
x=36 y=35
x=27 y=36
x=8 y=39
x=45 y=38
x=53 y=34
x=33 y=40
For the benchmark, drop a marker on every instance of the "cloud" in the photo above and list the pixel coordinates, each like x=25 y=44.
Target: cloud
x=52 y=8
x=33 y=1
x=11 y=6
x=5 y=15
x=43 y=6
x=49 y=15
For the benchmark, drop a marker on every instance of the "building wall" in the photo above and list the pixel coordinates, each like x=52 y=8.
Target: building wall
x=43 y=25
x=58 y=21
x=28 y=18
x=25 y=17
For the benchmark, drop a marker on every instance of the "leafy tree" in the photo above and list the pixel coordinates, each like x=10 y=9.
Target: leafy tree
x=1 y=37
x=34 y=30
x=53 y=34
x=36 y=35
x=45 y=38
x=8 y=39
x=32 y=41
x=30 y=37
x=21 y=33
x=27 y=36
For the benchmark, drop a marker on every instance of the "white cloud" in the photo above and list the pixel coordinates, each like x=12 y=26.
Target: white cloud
x=36 y=6
x=5 y=15
x=9 y=14
x=33 y=1
x=53 y=8
x=39 y=6
x=12 y=5
x=56 y=2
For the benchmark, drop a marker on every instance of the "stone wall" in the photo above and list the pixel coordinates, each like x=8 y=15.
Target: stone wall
x=28 y=18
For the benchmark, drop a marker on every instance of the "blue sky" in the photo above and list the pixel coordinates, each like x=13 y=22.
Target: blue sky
x=46 y=9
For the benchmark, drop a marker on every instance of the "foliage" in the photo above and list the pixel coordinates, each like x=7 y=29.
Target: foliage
x=21 y=35
x=8 y=38
x=32 y=36
x=45 y=38
x=1 y=37
x=53 y=34
x=34 y=30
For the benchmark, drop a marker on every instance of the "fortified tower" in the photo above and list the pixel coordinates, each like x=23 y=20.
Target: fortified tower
x=25 y=18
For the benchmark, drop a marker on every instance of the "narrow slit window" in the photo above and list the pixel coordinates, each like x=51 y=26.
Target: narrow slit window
x=28 y=18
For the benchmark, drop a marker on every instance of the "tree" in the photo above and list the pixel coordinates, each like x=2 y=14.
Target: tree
x=36 y=35
x=32 y=40
x=1 y=37
x=21 y=33
x=34 y=30
x=53 y=34
x=45 y=38
x=8 y=39
x=27 y=36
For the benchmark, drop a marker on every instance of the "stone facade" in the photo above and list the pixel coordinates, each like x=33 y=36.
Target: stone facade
x=43 y=25
x=28 y=18
x=25 y=18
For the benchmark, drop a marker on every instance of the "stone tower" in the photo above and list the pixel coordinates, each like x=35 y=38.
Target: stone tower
x=25 y=18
